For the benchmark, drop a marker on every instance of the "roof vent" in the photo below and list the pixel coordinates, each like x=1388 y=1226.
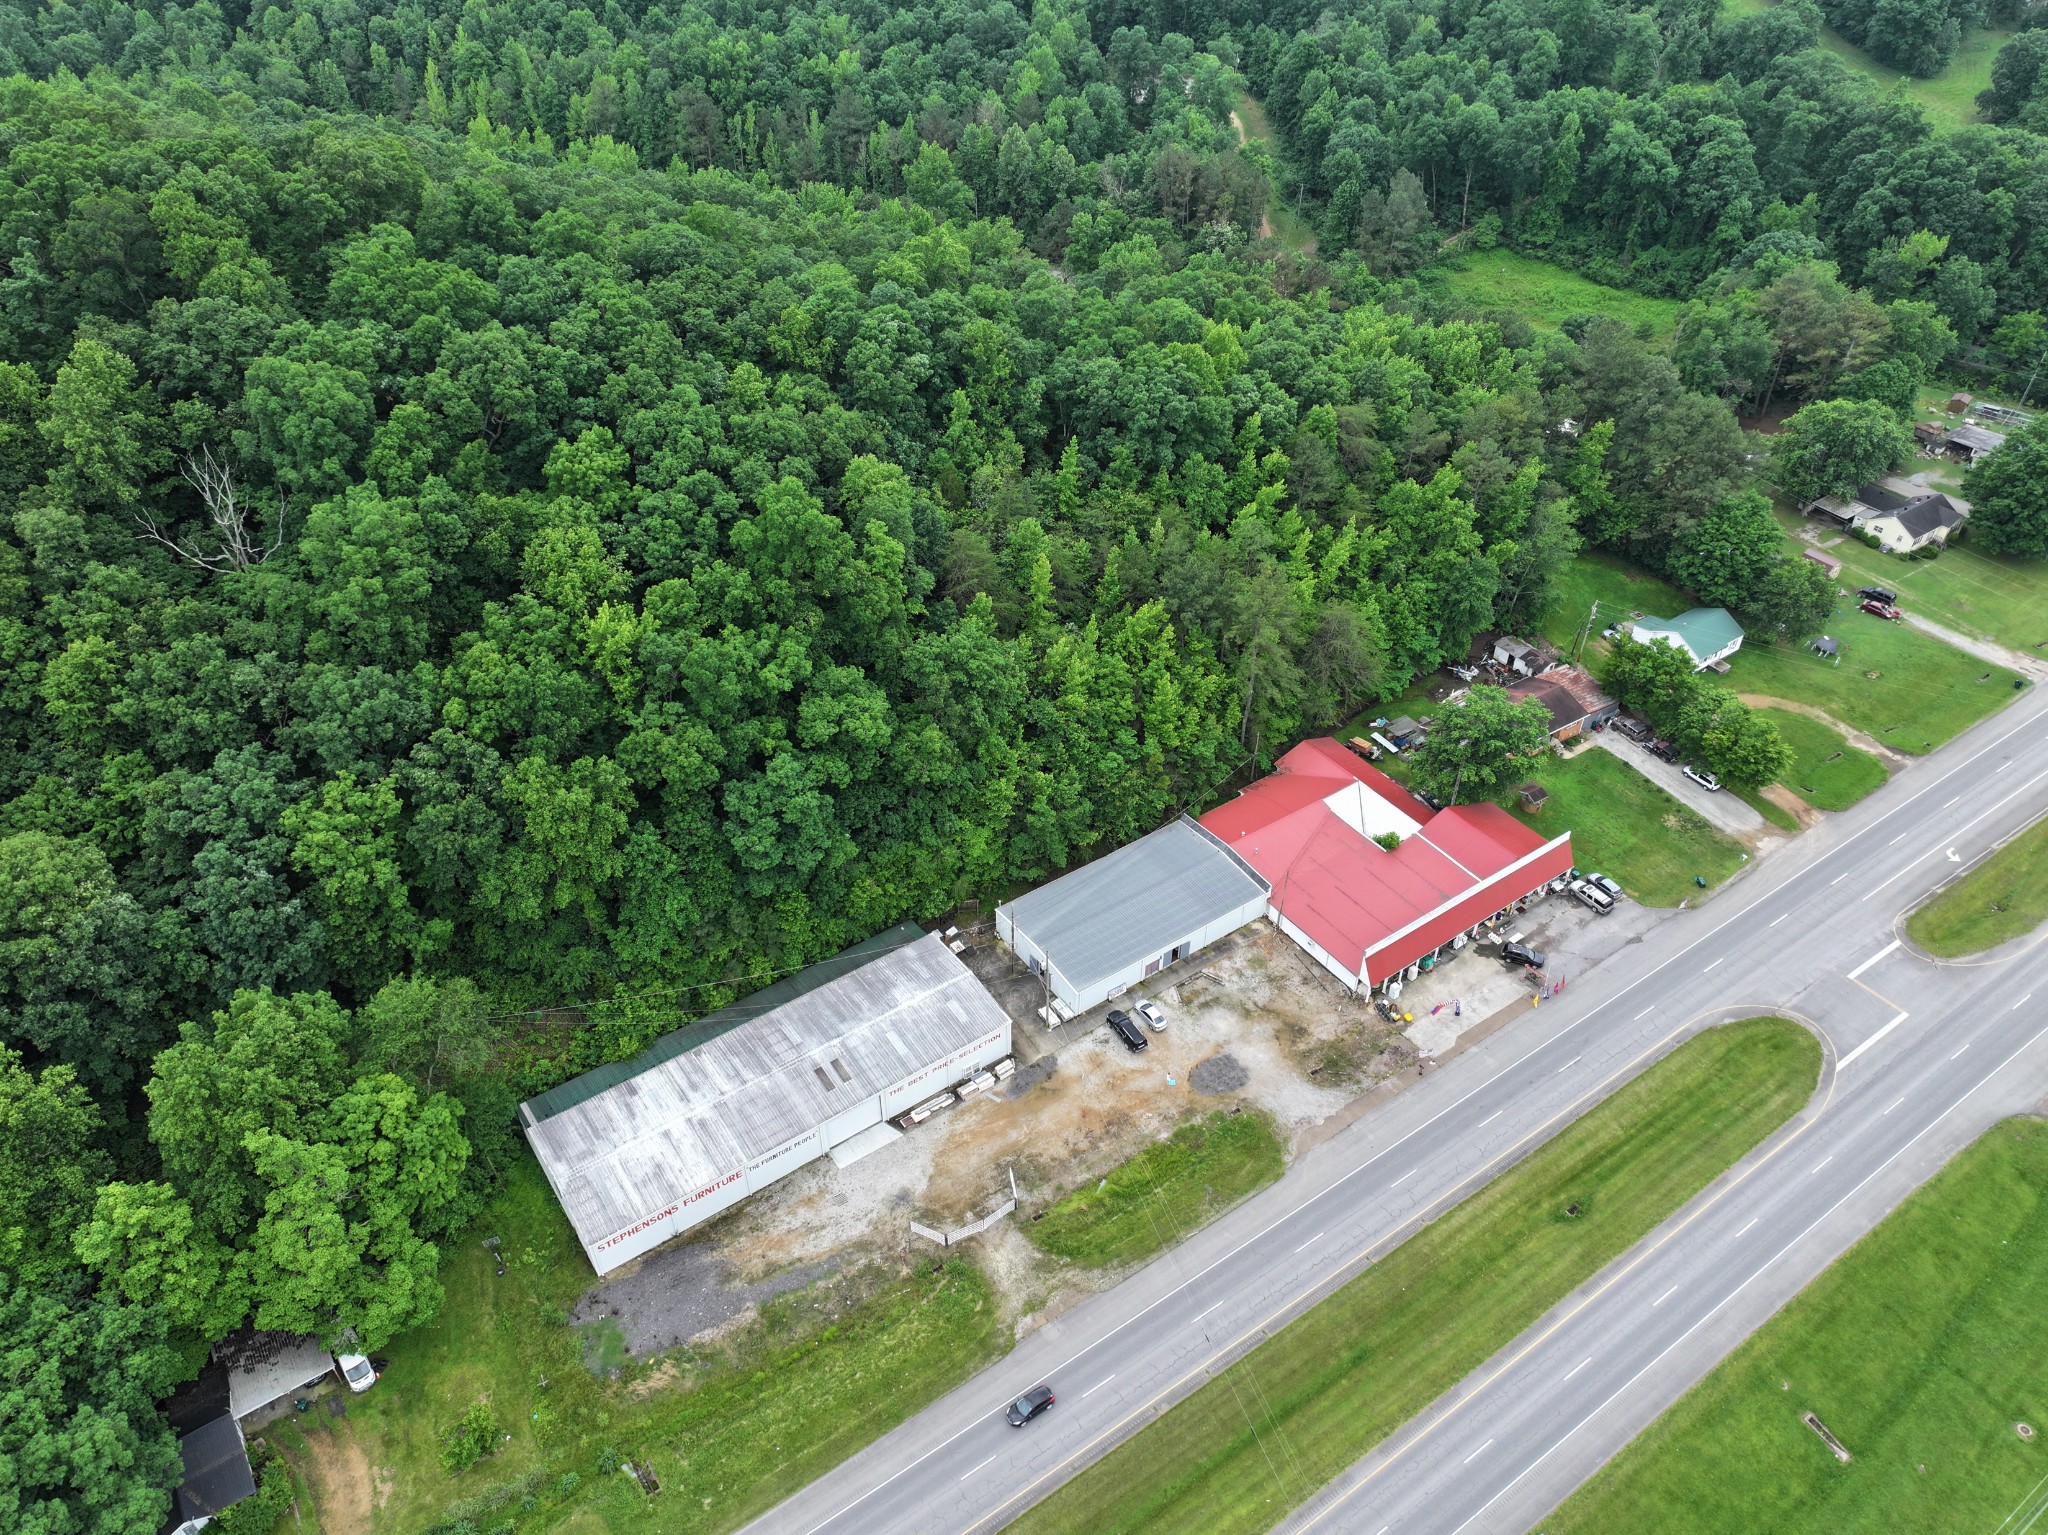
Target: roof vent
x=840 y=1066
x=829 y=1083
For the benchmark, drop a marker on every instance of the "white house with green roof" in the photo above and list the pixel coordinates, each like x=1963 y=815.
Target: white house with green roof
x=1709 y=635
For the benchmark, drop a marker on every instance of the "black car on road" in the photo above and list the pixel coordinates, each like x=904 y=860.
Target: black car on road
x=1030 y=1405
x=1121 y=1025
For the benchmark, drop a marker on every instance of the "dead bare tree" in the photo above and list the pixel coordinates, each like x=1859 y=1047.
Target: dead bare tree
x=214 y=479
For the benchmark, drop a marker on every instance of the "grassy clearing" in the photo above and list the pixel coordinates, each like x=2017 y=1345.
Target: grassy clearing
x=1277 y=1425
x=1828 y=773
x=1163 y=1192
x=1906 y=688
x=1920 y=1350
x=1621 y=590
x=2003 y=897
x=1625 y=826
x=1988 y=596
x=1950 y=98
x=1289 y=227
x=829 y=1368
x=1544 y=294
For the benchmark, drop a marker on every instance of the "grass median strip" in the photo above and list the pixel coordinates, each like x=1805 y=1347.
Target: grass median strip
x=1921 y=1350
x=2001 y=898
x=1164 y=1191
x=1277 y=1425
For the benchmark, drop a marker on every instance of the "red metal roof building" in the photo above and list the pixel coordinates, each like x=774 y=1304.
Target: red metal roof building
x=1366 y=912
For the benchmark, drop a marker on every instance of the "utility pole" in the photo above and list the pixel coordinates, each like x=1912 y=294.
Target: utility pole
x=1585 y=633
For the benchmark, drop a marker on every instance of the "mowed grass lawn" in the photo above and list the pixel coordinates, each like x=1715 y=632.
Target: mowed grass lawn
x=829 y=1368
x=1828 y=773
x=1908 y=689
x=1987 y=596
x=1621 y=590
x=1920 y=1349
x=1163 y=1192
x=1274 y=1427
x=1629 y=829
x=1542 y=293
x=2003 y=897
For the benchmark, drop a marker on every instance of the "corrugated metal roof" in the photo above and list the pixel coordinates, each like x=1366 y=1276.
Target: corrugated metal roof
x=1133 y=904
x=687 y=1116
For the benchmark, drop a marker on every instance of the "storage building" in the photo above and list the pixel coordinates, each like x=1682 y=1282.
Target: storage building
x=1362 y=910
x=642 y=1150
x=1123 y=917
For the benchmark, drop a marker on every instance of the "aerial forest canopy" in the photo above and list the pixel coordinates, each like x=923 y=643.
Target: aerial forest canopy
x=523 y=521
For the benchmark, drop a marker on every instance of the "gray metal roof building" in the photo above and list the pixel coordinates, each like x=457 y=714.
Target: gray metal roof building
x=644 y=1149
x=1114 y=921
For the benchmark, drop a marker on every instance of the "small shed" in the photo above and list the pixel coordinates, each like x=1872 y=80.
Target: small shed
x=1404 y=731
x=1968 y=444
x=1534 y=796
x=1930 y=435
x=1960 y=402
x=1518 y=656
x=1825 y=561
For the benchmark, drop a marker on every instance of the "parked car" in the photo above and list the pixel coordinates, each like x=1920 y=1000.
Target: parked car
x=1154 y=1016
x=1586 y=893
x=356 y=1371
x=1521 y=954
x=1633 y=728
x=1878 y=609
x=1603 y=882
x=1663 y=751
x=1877 y=594
x=1120 y=1024
x=1030 y=1405
x=1704 y=779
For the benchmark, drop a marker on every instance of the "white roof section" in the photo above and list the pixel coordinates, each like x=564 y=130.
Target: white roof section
x=1368 y=814
x=264 y=1366
x=653 y=1137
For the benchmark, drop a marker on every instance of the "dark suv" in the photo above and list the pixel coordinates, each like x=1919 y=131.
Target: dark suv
x=1521 y=954
x=1663 y=751
x=1883 y=594
x=1632 y=727
x=1121 y=1025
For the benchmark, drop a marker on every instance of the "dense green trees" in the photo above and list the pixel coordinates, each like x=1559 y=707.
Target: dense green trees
x=2008 y=495
x=1833 y=446
x=1707 y=723
x=1479 y=748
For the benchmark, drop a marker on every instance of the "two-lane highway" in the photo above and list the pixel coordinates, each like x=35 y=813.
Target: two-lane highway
x=1786 y=939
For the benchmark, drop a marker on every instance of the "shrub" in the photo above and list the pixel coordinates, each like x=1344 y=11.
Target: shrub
x=476 y=1436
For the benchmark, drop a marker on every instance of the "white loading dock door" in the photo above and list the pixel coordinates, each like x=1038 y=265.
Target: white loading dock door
x=867 y=1143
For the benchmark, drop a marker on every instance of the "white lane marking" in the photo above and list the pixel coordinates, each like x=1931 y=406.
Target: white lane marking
x=1959 y=1052
x=1568 y=1065
x=2023 y=1001
x=1757 y=1274
x=1716 y=962
x=1823 y=1162
x=1489 y=1119
x=1776 y=920
x=1895 y=1104
x=1880 y=954
x=1664 y=1297
x=1403 y=1178
x=1752 y=1221
x=1961 y=765
x=1639 y=1017
x=1212 y=1308
x=1477 y=1453
x=1839 y=878
x=2003 y=766
x=1948 y=802
x=2022 y=789
x=1097 y=1387
x=1880 y=1034
x=1311 y=1241
x=1901 y=837
x=983 y=1466
x=1576 y=1368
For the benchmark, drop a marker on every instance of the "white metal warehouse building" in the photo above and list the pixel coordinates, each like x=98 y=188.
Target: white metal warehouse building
x=642 y=1150
x=1111 y=923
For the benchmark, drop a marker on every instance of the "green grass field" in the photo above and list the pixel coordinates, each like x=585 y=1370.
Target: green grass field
x=1907 y=689
x=1163 y=1192
x=829 y=1368
x=1828 y=773
x=1277 y=1425
x=2002 y=898
x=1544 y=294
x=1626 y=827
x=1920 y=1350
x=1289 y=227
x=1950 y=97
x=1621 y=590
x=1987 y=596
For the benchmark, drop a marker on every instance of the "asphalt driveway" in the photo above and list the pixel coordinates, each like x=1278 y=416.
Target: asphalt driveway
x=1720 y=808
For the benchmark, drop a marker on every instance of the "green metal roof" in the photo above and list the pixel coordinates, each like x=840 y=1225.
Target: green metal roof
x=1705 y=631
x=581 y=1089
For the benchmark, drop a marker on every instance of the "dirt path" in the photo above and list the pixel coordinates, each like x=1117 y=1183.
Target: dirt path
x=1850 y=733
x=343 y=1489
x=1786 y=800
x=1983 y=650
